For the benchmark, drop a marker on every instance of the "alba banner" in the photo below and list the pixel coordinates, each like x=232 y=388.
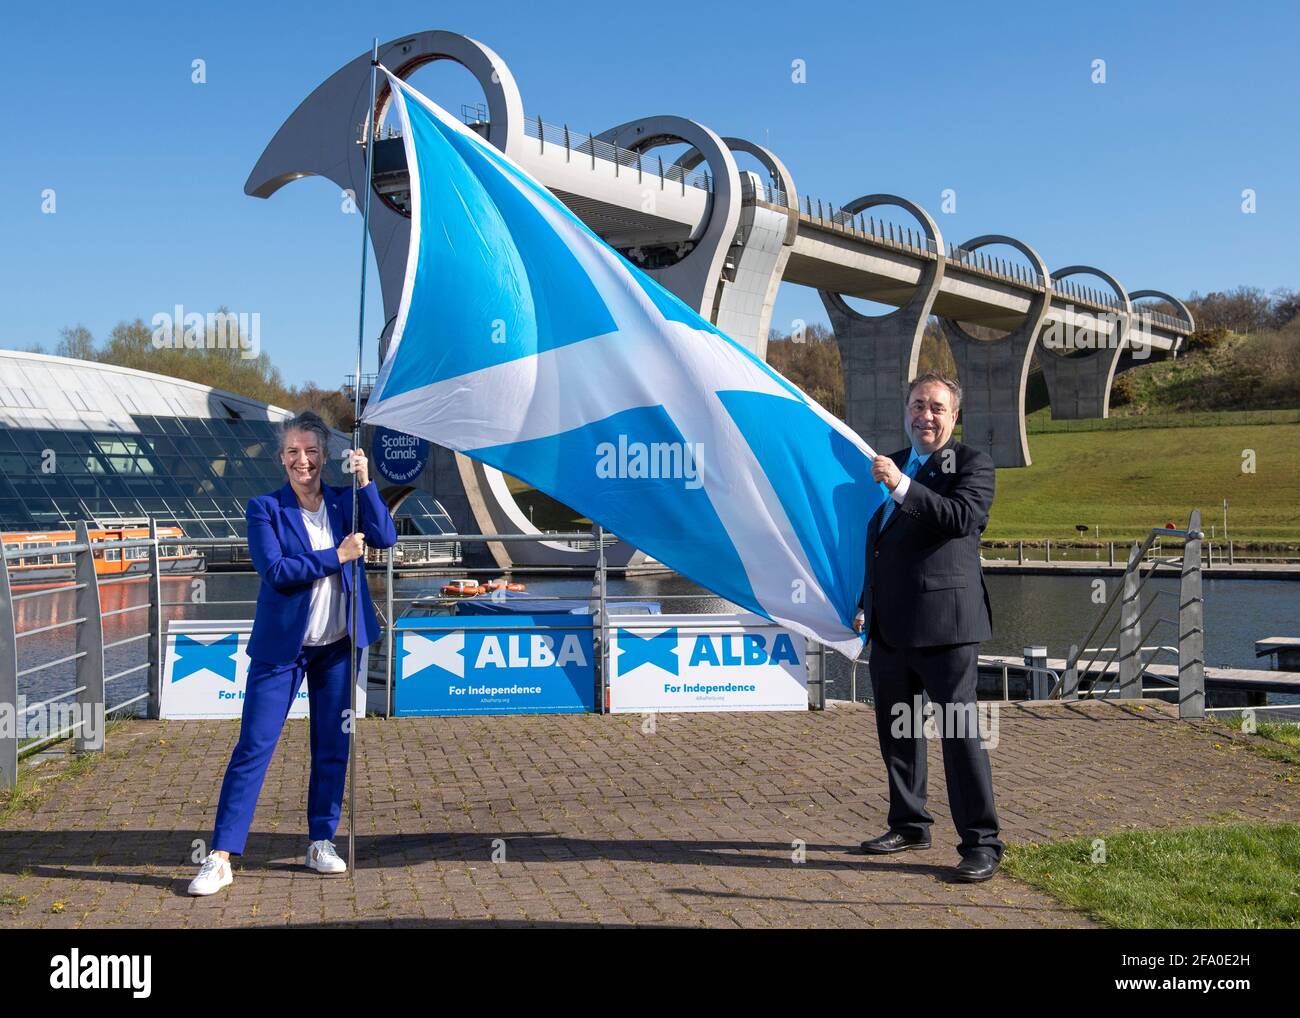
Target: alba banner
x=692 y=663
x=205 y=671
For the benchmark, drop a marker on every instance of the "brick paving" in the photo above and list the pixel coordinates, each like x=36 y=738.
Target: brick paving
x=584 y=820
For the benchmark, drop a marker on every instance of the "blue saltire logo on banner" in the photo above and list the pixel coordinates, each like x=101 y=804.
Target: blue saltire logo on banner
x=218 y=657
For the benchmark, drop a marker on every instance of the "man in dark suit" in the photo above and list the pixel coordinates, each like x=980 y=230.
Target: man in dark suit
x=926 y=610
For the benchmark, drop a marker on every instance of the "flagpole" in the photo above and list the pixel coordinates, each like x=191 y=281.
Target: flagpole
x=356 y=444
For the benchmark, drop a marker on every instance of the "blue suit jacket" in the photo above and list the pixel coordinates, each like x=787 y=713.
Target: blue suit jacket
x=283 y=556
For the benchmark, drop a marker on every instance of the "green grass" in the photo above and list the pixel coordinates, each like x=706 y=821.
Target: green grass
x=1278 y=740
x=1229 y=876
x=1129 y=481
x=545 y=512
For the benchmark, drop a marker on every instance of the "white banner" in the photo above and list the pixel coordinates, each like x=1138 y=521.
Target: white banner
x=683 y=663
x=205 y=671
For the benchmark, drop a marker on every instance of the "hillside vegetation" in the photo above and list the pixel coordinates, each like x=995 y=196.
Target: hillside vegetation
x=1127 y=481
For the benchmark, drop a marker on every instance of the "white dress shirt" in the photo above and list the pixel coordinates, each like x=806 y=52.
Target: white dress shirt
x=327 y=619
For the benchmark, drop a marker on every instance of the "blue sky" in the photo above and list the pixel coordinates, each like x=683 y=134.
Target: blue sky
x=1142 y=175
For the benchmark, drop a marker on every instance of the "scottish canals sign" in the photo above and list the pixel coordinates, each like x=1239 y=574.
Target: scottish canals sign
x=706 y=663
x=398 y=457
x=524 y=664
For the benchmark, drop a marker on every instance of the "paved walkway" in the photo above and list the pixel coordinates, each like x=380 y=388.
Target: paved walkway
x=587 y=819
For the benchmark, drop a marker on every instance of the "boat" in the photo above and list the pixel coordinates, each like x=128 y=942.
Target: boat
x=461 y=588
x=473 y=588
x=501 y=583
x=42 y=562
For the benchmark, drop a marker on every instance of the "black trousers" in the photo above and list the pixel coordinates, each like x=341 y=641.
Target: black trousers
x=947 y=674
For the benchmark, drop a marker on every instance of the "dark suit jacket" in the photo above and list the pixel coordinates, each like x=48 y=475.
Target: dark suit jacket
x=289 y=567
x=924 y=584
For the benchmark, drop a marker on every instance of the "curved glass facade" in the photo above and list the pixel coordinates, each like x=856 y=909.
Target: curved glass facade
x=197 y=473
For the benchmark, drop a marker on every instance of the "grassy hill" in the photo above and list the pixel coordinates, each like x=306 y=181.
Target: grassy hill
x=1221 y=371
x=1177 y=438
x=1126 y=481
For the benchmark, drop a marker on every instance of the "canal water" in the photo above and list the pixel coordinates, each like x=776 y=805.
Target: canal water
x=1053 y=611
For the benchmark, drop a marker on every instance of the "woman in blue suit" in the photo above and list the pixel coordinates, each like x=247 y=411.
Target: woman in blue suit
x=296 y=537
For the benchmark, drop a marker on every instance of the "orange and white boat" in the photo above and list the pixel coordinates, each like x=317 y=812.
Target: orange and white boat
x=501 y=583
x=43 y=562
x=473 y=588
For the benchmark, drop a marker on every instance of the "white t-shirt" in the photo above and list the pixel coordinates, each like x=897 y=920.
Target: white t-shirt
x=327 y=619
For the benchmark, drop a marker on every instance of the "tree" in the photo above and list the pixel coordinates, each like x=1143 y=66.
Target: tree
x=76 y=342
x=1245 y=309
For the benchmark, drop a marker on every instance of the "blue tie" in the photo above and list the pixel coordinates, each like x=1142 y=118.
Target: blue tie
x=913 y=465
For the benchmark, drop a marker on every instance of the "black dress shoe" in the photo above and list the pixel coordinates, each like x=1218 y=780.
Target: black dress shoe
x=973 y=869
x=893 y=841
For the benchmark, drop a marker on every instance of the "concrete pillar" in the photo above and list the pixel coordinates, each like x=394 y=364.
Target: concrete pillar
x=756 y=264
x=1078 y=386
x=879 y=353
x=993 y=373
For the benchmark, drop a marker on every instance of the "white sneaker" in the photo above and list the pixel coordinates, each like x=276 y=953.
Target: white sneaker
x=322 y=858
x=214 y=874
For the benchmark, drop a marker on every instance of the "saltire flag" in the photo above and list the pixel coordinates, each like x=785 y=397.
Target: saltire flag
x=523 y=340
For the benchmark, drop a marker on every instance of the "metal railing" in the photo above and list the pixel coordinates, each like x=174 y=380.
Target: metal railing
x=1125 y=611
x=85 y=718
x=988 y=265
x=886 y=233
x=93 y=687
x=1217 y=554
x=867 y=227
x=578 y=146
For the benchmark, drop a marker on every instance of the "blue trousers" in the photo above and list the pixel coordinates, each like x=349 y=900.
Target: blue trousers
x=268 y=697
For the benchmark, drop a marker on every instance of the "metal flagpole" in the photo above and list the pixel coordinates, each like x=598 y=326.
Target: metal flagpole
x=356 y=444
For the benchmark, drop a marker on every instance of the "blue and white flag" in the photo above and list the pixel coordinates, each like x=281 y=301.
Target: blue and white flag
x=523 y=340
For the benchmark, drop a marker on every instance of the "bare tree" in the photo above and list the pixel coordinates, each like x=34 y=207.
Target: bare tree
x=76 y=342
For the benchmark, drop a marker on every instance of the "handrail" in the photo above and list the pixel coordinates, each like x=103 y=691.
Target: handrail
x=1135 y=658
x=1138 y=553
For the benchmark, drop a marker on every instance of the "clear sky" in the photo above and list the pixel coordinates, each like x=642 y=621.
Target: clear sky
x=1142 y=175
